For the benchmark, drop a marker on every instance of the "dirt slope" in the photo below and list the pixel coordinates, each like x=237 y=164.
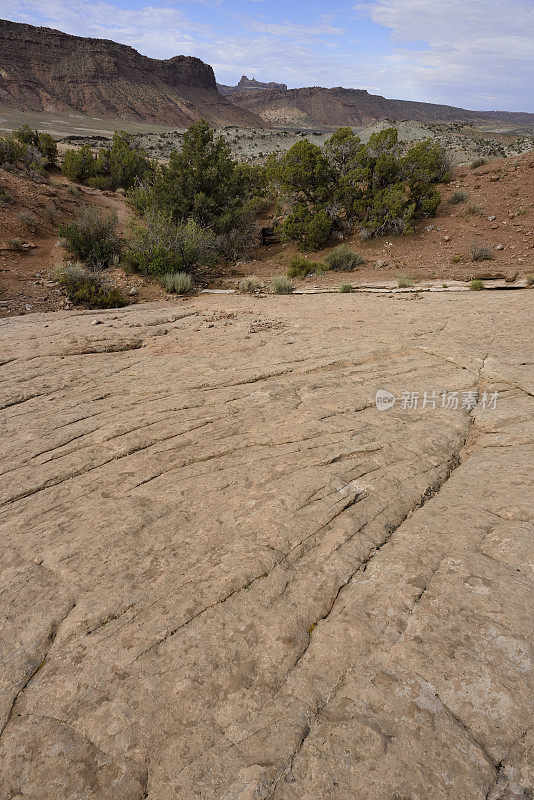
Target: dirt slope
x=498 y=212
x=230 y=576
x=47 y=70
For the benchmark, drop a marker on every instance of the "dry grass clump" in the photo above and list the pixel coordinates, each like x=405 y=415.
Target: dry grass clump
x=250 y=285
x=343 y=259
x=177 y=282
x=88 y=288
x=280 y=284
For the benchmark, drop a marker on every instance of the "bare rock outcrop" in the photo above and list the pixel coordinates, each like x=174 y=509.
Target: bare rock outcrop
x=46 y=70
x=227 y=575
x=250 y=85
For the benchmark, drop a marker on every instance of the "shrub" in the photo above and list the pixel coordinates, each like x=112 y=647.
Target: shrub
x=311 y=228
x=15 y=244
x=280 y=284
x=50 y=214
x=475 y=211
x=89 y=288
x=163 y=245
x=458 y=197
x=93 y=238
x=203 y=182
x=344 y=259
x=300 y=267
x=480 y=252
x=29 y=220
x=140 y=196
x=478 y=162
x=11 y=151
x=44 y=143
x=476 y=285
x=5 y=197
x=390 y=211
x=117 y=166
x=404 y=282
x=345 y=288
x=78 y=165
x=456 y=258
x=251 y=284
x=176 y=282
x=530 y=279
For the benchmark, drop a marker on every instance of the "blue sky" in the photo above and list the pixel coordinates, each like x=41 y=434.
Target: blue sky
x=477 y=54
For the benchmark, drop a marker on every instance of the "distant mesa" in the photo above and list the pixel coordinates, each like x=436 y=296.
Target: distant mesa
x=46 y=70
x=314 y=107
x=250 y=85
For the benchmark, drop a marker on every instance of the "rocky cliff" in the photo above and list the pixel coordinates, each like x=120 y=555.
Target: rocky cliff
x=250 y=85
x=315 y=106
x=47 y=70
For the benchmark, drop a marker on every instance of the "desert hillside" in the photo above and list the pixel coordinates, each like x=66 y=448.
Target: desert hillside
x=47 y=70
x=315 y=106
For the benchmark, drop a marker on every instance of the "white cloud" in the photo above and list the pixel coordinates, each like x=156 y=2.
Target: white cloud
x=470 y=52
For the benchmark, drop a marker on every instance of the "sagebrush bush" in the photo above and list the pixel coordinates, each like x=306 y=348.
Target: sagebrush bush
x=177 y=282
x=480 y=252
x=458 y=197
x=530 y=279
x=300 y=267
x=404 y=282
x=163 y=245
x=345 y=288
x=476 y=211
x=251 y=284
x=476 y=285
x=93 y=238
x=280 y=284
x=141 y=196
x=344 y=259
x=89 y=288
x=29 y=220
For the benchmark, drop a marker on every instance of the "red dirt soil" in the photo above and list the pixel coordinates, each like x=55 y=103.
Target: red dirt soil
x=503 y=189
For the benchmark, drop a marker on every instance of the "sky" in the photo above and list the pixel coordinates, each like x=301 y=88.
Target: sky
x=477 y=54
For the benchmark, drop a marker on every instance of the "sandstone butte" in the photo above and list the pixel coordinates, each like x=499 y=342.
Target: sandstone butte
x=226 y=575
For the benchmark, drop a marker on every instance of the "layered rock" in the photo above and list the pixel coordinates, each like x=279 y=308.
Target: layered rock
x=315 y=106
x=250 y=85
x=47 y=70
x=231 y=576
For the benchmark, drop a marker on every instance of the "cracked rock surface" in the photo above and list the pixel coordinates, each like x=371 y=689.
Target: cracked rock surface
x=226 y=575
